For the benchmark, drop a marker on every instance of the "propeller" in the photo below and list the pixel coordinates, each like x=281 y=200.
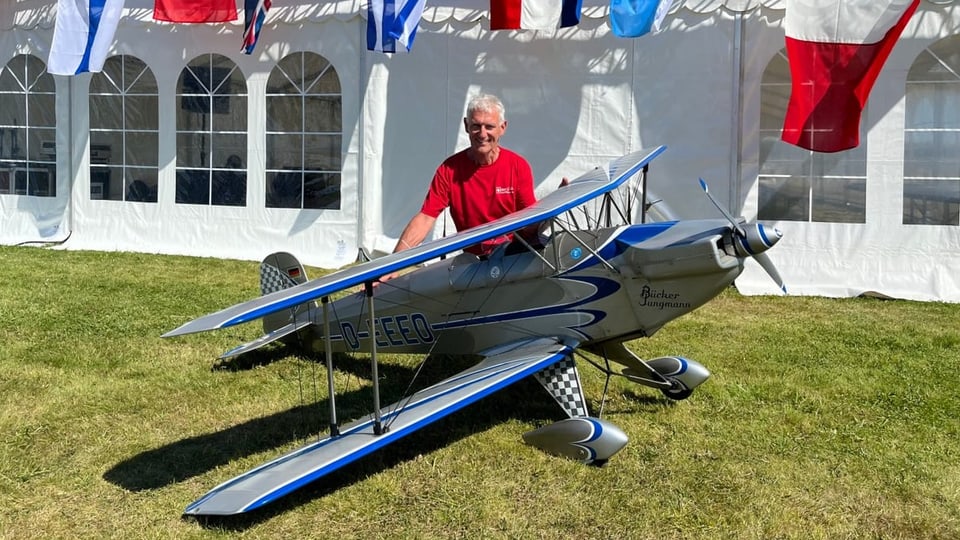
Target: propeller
x=753 y=240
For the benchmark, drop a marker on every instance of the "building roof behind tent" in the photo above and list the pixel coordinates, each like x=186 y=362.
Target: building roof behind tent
x=42 y=13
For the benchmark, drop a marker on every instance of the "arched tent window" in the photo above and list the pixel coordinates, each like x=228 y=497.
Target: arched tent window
x=304 y=123
x=931 y=164
x=211 y=133
x=28 y=128
x=124 y=123
x=796 y=184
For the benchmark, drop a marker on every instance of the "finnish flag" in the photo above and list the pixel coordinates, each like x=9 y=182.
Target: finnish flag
x=82 y=35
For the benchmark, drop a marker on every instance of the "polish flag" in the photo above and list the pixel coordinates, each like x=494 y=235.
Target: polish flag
x=534 y=14
x=836 y=49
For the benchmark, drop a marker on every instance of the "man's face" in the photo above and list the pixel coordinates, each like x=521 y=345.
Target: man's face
x=485 y=130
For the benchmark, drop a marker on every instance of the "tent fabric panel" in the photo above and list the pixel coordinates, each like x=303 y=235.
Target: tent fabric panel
x=326 y=238
x=36 y=219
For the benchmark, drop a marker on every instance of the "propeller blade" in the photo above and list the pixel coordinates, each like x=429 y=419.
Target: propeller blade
x=734 y=222
x=771 y=270
x=758 y=236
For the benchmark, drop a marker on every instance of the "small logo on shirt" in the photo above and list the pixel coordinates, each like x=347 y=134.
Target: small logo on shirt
x=508 y=190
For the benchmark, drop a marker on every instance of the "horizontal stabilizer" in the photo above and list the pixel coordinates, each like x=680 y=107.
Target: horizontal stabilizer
x=582 y=189
x=270 y=337
x=283 y=475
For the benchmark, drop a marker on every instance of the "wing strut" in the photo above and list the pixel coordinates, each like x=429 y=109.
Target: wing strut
x=643 y=202
x=328 y=352
x=377 y=420
x=590 y=249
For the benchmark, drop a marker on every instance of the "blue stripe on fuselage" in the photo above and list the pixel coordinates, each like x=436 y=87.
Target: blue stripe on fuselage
x=604 y=288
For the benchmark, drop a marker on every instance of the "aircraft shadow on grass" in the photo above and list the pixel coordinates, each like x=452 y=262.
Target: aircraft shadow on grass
x=195 y=456
x=198 y=455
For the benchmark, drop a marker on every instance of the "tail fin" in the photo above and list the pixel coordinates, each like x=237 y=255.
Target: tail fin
x=280 y=271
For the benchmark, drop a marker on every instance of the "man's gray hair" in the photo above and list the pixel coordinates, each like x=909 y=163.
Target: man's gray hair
x=486 y=103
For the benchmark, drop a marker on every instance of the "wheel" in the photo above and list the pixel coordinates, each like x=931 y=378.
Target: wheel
x=677 y=391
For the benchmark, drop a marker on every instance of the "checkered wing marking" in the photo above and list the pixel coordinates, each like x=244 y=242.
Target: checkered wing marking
x=562 y=380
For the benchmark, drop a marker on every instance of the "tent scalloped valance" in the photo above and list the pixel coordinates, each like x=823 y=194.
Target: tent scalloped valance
x=27 y=14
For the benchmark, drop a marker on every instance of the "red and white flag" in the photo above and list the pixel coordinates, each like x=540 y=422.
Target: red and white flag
x=195 y=11
x=836 y=49
x=534 y=14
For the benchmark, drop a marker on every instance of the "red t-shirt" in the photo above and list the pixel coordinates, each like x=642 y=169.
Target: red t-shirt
x=479 y=194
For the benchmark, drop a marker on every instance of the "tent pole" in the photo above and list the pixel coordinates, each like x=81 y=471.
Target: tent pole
x=736 y=126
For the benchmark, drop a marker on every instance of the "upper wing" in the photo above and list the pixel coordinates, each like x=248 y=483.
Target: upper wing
x=285 y=474
x=596 y=182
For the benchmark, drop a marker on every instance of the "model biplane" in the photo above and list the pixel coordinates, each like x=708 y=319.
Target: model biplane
x=525 y=309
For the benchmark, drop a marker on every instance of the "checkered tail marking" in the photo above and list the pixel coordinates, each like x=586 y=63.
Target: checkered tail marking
x=562 y=380
x=272 y=279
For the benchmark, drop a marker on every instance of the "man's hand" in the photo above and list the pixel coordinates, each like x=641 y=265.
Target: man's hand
x=386 y=277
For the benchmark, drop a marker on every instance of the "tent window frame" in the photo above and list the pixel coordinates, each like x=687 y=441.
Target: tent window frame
x=931 y=153
x=124 y=131
x=304 y=134
x=28 y=128
x=211 y=133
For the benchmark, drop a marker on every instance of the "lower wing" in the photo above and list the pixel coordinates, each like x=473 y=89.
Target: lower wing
x=285 y=474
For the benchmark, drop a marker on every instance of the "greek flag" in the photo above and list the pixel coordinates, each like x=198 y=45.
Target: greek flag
x=82 y=35
x=390 y=22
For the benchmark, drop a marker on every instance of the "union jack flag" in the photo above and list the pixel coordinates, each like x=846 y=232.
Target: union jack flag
x=254 y=13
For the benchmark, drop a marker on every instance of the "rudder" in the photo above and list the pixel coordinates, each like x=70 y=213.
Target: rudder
x=279 y=271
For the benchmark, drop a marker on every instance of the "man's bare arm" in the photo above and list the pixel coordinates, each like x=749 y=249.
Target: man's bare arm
x=415 y=231
x=412 y=235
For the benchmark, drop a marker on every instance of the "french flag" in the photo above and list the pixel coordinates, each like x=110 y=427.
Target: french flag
x=254 y=13
x=82 y=35
x=392 y=22
x=836 y=50
x=534 y=14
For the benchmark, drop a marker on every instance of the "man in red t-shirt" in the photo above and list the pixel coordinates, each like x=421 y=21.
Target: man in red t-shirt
x=479 y=184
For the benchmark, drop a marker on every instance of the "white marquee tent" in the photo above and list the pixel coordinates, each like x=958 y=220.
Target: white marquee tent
x=710 y=86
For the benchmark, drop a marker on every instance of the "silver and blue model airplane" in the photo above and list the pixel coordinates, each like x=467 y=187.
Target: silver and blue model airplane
x=525 y=310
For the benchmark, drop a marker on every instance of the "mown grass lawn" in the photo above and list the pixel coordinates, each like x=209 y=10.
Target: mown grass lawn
x=824 y=418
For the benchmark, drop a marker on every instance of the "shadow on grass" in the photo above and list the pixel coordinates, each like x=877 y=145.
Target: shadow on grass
x=253 y=359
x=194 y=456
x=643 y=402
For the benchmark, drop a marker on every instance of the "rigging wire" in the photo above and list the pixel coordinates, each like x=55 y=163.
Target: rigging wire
x=408 y=395
x=606 y=204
